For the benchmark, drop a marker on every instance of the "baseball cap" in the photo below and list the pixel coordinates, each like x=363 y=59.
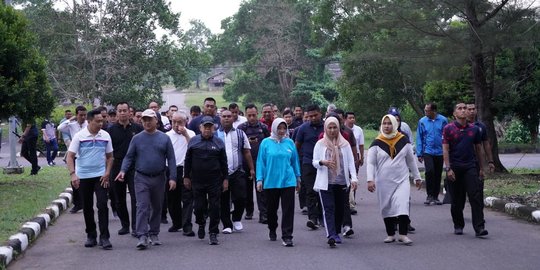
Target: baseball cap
x=149 y=113
x=207 y=120
x=112 y=112
x=393 y=111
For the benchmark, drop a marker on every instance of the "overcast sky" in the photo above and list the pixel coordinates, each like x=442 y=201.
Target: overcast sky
x=211 y=12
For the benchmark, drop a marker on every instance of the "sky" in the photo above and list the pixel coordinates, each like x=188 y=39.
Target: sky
x=211 y=12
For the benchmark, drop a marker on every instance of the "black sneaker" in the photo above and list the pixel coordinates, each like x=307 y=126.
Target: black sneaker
x=189 y=233
x=213 y=239
x=482 y=233
x=331 y=242
x=174 y=228
x=123 y=231
x=272 y=235
x=201 y=233
x=348 y=232
x=105 y=244
x=75 y=209
x=143 y=242
x=312 y=225
x=34 y=172
x=90 y=242
x=288 y=242
x=354 y=212
x=411 y=228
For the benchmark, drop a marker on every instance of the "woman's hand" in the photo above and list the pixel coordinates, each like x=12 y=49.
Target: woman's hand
x=371 y=186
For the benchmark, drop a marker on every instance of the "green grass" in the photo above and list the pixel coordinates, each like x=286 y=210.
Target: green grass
x=196 y=97
x=505 y=184
x=24 y=196
x=369 y=136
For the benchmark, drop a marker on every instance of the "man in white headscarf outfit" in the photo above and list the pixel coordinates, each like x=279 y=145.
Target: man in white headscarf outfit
x=278 y=173
x=334 y=161
x=390 y=157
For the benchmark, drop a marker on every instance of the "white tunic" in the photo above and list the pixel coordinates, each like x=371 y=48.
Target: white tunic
x=392 y=178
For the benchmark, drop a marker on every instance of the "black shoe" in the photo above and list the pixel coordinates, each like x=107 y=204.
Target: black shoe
x=304 y=211
x=272 y=235
x=123 y=231
x=263 y=220
x=105 y=244
x=189 y=233
x=331 y=242
x=437 y=202
x=213 y=239
x=174 y=228
x=354 y=212
x=164 y=221
x=288 y=242
x=458 y=231
x=34 y=172
x=201 y=232
x=411 y=228
x=312 y=224
x=348 y=233
x=143 y=242
x=482 y=233
x=428 y=200
x=75 y=209
x=90 y=242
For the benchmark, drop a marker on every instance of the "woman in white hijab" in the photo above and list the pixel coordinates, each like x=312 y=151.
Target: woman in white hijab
x=334 y=161
x=389 y=159
x=278 y=174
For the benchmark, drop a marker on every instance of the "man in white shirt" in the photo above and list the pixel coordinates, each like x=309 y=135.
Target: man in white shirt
x=350 y=122
x=180 y=200
x=73 y=125
x=237 y=118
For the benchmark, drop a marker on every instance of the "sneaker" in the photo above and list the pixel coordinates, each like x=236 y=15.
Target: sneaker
x=437 y=202
x=201 y=232
x=288 y=242
x=105 y=244
x=227 y=231
x=482 y=233
x=411 y=228
x=338 y=239
x=36 y=171
x=428 y=200
x=354 y=212
x=53 y=163
x=272 y=235
x=213 y=239
x=405 y=240
x=331 y=242
x=154 y=240
x=347 y=231
x=174 y=228
x=143 y=242
x=189 y=233
x=90 y=242
x=312 y=225
x=123 y=231
x=75 y=209
x=304 y=211
x=49 y=164
x=237 y=225
x=389 y=239
x=458 y=231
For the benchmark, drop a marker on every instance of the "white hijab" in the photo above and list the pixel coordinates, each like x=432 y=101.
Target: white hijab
x=274 y=134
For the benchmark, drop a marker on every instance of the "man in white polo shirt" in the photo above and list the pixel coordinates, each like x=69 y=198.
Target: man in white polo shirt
x=90 y=175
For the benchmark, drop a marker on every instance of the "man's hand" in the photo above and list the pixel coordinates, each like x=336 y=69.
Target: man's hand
x=354 y=185
x=104 y=181
x=361 y=161
x=259 y=186
x=172 y=185
x=491 y=167
x=420 y=159
x=75 y=181
x=418 y=183
x=371 y=186
x=225 y=185
x=298 y=185
x=120 y=177
x=481 y=175
x=251 y=174
x=450 y=175
x=187 y=183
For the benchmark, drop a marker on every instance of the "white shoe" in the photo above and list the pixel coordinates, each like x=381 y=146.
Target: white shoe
x=405 y=240
x=238 y=226
x=227 y=231
x=389 y=239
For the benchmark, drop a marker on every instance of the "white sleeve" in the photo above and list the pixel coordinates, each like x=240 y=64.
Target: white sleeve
x=246 y=141
x=74 y=146
x=360 y=137
x=109 y=148
x=64 y=126
x=371 y=163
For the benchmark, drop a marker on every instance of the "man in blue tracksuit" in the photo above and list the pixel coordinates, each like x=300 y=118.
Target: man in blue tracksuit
x=429 y=150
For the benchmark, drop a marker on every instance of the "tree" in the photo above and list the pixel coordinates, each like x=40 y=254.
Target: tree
x=197 y=38
x=24 y=88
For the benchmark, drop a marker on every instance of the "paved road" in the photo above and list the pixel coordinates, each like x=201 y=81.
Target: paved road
x=512 y=244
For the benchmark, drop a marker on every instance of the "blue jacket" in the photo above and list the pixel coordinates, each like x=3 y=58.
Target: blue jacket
x=429 y=135
x=277 y=164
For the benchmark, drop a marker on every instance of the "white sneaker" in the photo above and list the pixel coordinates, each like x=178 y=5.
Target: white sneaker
x=227 y=231
x=238 y=226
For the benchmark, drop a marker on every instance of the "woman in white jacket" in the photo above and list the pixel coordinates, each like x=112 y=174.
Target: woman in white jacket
x=389 y=159
x=334 y=161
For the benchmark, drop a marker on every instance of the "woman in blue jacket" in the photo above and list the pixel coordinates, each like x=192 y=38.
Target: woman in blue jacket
x=278 y=174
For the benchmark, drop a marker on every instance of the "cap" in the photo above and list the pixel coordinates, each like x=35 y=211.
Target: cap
x=393 y=111
x=149 y=113
x=207 y=120
x=112 y=111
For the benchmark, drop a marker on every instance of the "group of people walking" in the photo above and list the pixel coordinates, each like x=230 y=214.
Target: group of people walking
x=208 y=164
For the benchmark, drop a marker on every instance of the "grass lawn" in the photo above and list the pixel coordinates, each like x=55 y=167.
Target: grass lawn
x=24 y=196
x=196 y=97
x=522 y=186
x=369 y=136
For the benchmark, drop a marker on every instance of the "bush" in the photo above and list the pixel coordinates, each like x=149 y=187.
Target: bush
x=517 y=133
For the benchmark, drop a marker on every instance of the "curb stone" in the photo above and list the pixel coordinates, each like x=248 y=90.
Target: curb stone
x=515 y=209
x=33 y=228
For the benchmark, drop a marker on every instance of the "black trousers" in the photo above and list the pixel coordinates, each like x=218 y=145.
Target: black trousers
x=434 y=165
x=180 y=203
x=467 y=183
x=206 y=202
x=347 y=220
x=87 y=188
x=260 y=196
x=273 y=197
x=302 y=192
x=333 y=204
x=237 y=194
x=401 y=220
x=120 y=192
x=28 y=151
x=312 y=198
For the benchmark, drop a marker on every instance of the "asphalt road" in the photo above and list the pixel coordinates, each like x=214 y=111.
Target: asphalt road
x=512 y=244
